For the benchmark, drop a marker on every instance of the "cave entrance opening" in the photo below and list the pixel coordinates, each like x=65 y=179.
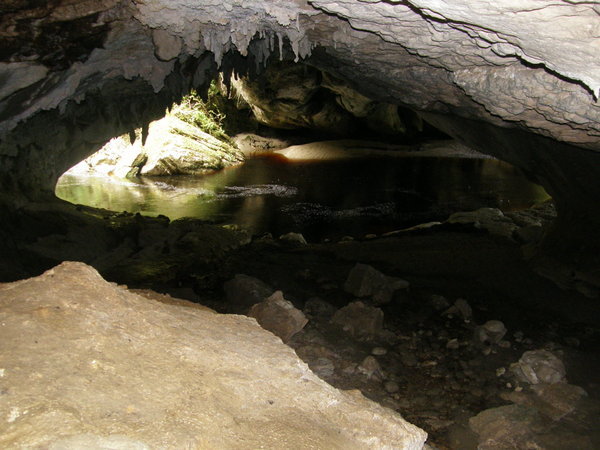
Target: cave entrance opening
x=319 y=158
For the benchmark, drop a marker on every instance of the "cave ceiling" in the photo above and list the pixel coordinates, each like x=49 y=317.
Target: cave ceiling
x=529 y=66
x=519 y=80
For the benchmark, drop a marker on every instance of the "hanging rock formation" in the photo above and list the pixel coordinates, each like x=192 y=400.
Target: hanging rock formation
x=517 y=80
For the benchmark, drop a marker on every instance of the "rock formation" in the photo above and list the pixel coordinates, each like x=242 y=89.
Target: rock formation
x=88 y=364
x=519 y=81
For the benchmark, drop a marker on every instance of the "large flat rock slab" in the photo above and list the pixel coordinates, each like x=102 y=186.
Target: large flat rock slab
x=87 y=364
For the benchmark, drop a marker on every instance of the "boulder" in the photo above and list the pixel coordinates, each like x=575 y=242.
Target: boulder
x=359 y=320
x=278 y=315
x=490 y=219
x=316 y=307
x=539 y=366
x=173 y=147
x=559 y=399
x=553 y=401
x=364 y=281
x=293 y=237
x=505 y=427
x=490 y=332
x=88 y=364
x=462 y=309
x=243 y=291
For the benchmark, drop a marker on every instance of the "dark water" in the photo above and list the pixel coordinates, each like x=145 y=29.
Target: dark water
x=319 y=199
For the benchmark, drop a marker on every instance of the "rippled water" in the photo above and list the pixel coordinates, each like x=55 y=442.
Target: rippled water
x=326 y=198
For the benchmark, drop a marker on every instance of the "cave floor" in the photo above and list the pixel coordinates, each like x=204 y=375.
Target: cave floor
x=436 y=387
x=439 y=387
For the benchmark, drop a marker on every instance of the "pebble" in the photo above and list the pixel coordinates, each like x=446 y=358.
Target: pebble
x=391 y=387
x=500 y=371
x=461 y=308
x=439 y=302
x=293 y=237
x=453 y=344
x=518 y=335
x=369 y=367
x=323 y=367
x=504 y=344
x=408 y=359
x=490 y=332
x=379 y=351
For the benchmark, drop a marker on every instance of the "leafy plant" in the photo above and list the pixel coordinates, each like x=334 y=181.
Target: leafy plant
x=203 y=114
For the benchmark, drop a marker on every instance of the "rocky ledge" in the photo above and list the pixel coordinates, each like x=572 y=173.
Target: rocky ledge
x=88 y=364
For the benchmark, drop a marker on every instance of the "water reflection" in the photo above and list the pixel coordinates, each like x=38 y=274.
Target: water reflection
x=317 y=198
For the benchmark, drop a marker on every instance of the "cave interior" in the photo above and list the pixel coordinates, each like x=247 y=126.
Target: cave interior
x=74 y=75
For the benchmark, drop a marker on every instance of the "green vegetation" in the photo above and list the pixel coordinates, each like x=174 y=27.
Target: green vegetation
x=205 y=115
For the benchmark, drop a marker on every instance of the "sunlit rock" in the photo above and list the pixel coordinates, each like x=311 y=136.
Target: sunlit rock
x=87 y=364
x=173 y=147
x=278 y=315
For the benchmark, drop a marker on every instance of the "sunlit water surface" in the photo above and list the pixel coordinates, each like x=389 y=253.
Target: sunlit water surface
x=319 y=199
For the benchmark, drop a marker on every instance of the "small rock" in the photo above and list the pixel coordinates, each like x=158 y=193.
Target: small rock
x=453 y=344
x=360 y=320
x=364 y=281
x=539 y=366
x=391 y=387
x=316 y=307
x=388 y=337
x=293 y=237
x=349 y=368
x=505 y=427
x=491 y=219
x=558 y=399
x=379 y=351
x=504 y=344
x=518 y=335
x=370 y=367
x=279 y=316
x=370 y=236
x=490 y=332
x=439 y=302
x=323 y=367
x=408 y=359
x=346 y=239
x=500 y=371
x=244 y=291
x=462 y=309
